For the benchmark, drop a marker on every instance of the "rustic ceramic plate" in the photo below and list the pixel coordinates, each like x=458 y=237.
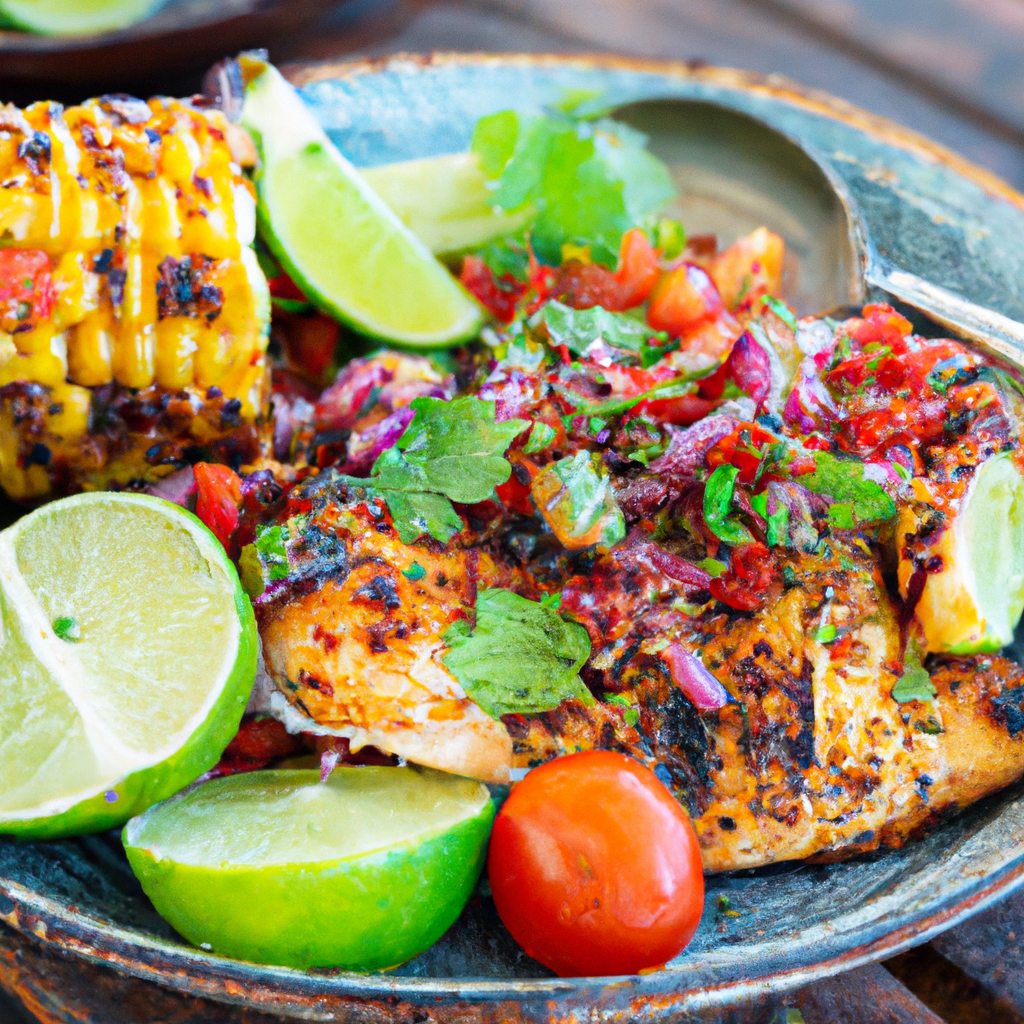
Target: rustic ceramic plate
x=868 y=210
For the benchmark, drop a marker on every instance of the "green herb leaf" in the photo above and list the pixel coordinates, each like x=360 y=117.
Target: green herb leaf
x=575 y=497
x=414 y=572
x=718 y=493
x=541 y=435
x=781 y=310
x=271 y=547
x=451 y=451
x=578 y=329
x=630 y=715
x=713 y=567
x=915 y=683
x=520 y=658
x=66 y=627
x=670 y=238
x=826 y=634
x=587 y=181
x=858 y=501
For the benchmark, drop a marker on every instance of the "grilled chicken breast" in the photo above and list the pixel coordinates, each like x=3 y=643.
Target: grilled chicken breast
x=356 y=644
x=813 y=756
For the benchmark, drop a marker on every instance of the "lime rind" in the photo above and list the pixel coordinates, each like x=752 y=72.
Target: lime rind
x=351 y=255
x=369 y=911
x=184 y=757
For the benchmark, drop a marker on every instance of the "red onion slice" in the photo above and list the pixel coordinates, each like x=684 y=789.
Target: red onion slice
x=702 y=688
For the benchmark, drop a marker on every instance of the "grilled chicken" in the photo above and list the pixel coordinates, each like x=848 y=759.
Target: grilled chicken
x=133 y=314
x=813 y=756
x=354 y=641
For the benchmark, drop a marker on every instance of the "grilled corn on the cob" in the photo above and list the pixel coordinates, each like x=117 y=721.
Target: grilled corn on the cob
x=133 y=313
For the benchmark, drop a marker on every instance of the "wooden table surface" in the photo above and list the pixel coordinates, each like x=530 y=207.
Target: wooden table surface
x=952 y=69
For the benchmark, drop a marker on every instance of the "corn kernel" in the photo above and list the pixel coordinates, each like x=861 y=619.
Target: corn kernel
x=90 y=348
x=73 y=419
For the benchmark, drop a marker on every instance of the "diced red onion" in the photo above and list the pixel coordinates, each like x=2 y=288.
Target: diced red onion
x=699 y=685
x=687 y=448
x=809 y=406
x=340 y=404
x=676 y=568
x=177 y=487
x=750 y=368
x=328 y=762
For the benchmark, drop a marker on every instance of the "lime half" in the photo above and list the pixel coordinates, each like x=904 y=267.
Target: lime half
x=363 y=872
x=339 y=241
x=128 y=652
x=74 y=17
x=974 y=603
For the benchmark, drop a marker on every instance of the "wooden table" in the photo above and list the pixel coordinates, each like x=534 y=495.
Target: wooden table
x=952 y=69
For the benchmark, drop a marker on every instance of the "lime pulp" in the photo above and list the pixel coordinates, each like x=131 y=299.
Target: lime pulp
x=128 y=653
x=75 y=17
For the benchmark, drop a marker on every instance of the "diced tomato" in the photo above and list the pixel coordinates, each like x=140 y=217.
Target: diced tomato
x=499 y=296
x=743 y=449
x=583 y=285
x=513 y=494
x=638 y=269
x=880 y=325
x=26 y=289
x=744 y=585
x=257 y=742
x=750 y=268
x=681 y=411
x=219 y=495
x=683 y=299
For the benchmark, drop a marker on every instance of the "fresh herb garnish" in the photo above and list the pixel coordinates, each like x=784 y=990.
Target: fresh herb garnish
x=578 y=329
x=781 y=310
x=521 y=657
x=718 y=492
x=915 y=683
x=858 y=501
x=575 y=497
x=586 y=182
x=66 y=627
x=630 y=715
x=541 y=435
x=451 y=451
x=414 y=572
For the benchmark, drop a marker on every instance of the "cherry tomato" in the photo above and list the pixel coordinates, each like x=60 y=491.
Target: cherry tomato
x=595 y=867
x=219 y=493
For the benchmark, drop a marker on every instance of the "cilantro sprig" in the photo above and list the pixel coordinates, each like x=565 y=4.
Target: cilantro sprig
x=451 y=451
x=585 y=182
x=521 y=656
x=631 y=339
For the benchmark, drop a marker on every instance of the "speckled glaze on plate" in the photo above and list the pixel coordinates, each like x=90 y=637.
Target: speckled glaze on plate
x=869 y=210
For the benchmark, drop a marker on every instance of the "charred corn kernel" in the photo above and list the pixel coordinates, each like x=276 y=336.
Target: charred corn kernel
x=90 y=348
x=176 y=345
x=153 y=293
x=71 y=420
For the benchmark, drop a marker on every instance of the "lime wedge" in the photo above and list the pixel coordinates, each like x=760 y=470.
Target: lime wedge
x=444 y=201
x=338 y=240
x=128 y=653
x=363 y=872
x=974 y=603
x=74 y=17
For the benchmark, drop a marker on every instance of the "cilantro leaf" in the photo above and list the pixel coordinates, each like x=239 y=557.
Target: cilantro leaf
x=858 y=500
x=575 y=497
x=588 y=182
x=578 y=329
x=451 y=451
x=915 y=683
x=718 y=493
x=521 y=657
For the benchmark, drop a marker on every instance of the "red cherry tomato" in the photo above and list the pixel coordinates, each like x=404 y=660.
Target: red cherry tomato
x=595 y=867
x=219 y=493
